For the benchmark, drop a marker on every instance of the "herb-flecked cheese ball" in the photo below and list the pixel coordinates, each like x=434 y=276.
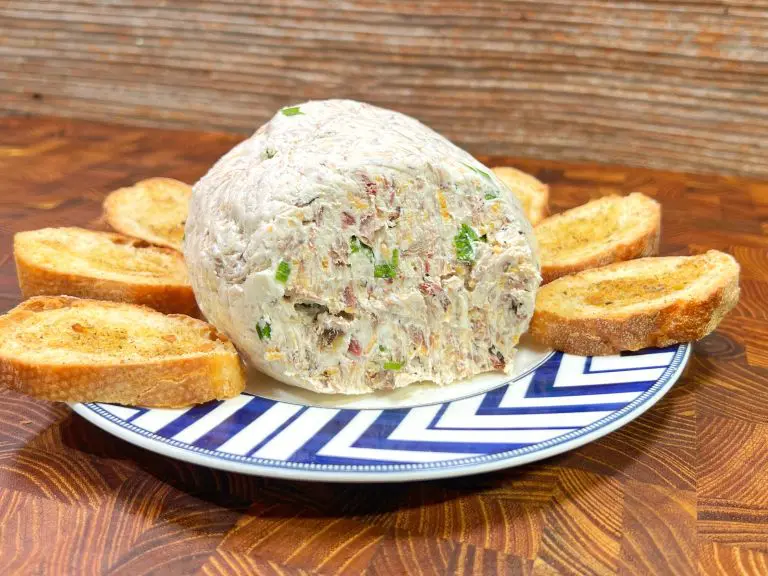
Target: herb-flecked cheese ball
x=346 y=248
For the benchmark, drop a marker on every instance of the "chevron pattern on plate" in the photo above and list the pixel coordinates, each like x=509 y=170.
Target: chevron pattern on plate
x=559 y=402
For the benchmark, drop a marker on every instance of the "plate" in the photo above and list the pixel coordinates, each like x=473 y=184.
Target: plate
x=553 y=402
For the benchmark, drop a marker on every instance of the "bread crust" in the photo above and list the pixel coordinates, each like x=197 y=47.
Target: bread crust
x=121 y=212
x=678 y=321
x=643 y=242
x=166 y=382
x=43 y=279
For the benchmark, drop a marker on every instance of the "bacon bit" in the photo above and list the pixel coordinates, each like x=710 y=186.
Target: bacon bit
x=339 y=258
x=169 y=338
x=417 y=337
x=79 y=328
x=370 y=187
x=426 y=267
x=497 y=359
x=354 y=348
x=349 y=297
x=347 y=219
x=328 y=335
x=394 y=215
x=432 y=289
x=429 y=289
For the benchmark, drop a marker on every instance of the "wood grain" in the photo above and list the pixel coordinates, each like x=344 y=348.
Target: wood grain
x=680 y=84
x=679 y=490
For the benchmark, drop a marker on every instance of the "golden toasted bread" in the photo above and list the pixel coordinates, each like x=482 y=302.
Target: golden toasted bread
x=154 y=210
x=533 y=195
x=73 y=350
x=611 y=229
x=636 y=304
x=104 y=266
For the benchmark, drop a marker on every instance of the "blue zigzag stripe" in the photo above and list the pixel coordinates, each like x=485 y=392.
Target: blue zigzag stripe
x=503 y=420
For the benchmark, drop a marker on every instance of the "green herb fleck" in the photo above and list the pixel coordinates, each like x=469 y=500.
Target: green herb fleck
x=385 y=270
x=382 y=348
x=388 y=269
x=355 y=246
x=283 y=271
x=291 y=111
x=484 y=238
x=491 y=195
x=264 y=330
x=270 y=153
x=463 y=241
x=482 y=173
x=392 y=365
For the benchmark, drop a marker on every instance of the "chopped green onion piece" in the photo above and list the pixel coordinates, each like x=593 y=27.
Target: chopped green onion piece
x=291 y=111
x=264 y=330
x=465 y=251
x=392 y=365
x=482 y=173
x=283 y=271
x=385 y=270
x=484 y=238
x=382 y=348
x=491 y=195
x=270 y=153
x=356 y=246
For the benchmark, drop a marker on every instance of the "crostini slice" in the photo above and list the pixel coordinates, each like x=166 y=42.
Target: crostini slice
x=610 y=229
x=154 y=210
x=103 y=266
x=79 y=350
x=636 y=304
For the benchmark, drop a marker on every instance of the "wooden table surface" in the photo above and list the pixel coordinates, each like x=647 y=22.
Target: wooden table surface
x=684 y=488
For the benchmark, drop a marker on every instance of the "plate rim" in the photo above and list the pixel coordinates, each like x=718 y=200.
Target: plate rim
x=472 y=464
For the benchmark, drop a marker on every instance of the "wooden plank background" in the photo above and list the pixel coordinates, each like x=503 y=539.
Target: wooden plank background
x=667 y=84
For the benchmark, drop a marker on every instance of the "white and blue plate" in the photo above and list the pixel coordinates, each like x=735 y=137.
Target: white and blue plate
x=552 y=403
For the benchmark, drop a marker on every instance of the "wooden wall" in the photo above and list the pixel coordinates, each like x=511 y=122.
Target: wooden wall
x=679 y=84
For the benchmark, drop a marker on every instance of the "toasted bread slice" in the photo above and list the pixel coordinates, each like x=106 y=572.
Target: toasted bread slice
x=154 y=210
x=73 y=350
x=104 y=266
x=636 y=304
x=611 y=229
x=533 y=195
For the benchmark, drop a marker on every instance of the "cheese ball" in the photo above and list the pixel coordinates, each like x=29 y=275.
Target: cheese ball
x=345 y=248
